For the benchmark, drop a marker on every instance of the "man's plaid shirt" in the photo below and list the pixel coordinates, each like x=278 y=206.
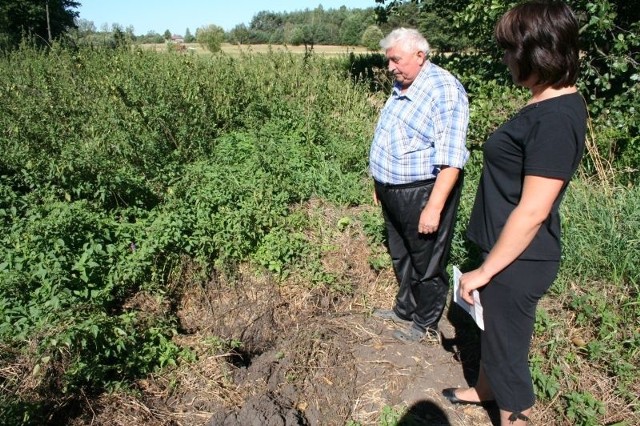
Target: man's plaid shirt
x=421 y=130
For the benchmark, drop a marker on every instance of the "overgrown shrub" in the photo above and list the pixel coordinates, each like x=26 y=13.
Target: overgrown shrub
x=118 y=164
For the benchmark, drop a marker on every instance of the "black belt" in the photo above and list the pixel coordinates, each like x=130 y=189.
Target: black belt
x=414 y=184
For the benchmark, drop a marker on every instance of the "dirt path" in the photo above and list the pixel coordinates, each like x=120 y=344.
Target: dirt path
x=332 y=368
x=412 y=375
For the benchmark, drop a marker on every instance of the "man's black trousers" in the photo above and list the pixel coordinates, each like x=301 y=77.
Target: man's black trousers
x=419 y=260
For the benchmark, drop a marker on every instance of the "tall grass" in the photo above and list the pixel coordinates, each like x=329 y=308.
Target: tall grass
x=602 y=234
x=585 y=354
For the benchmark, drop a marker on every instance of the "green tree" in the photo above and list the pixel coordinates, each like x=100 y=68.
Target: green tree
x=151 y=37
x=277 y=36
x=167 y=35
x=210 y=37
x=120 y=38
x=371 y=38
x=266 y=21
x=130 y=33
x=436 y=19
x=351 y=30
x=45 y=20
x=188 y=37
x=85 y=27
x=294 y=35
x=240 y=34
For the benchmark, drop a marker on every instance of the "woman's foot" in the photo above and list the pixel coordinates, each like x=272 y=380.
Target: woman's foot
x=466 y=396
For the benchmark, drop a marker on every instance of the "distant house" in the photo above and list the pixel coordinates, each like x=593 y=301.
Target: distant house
x=177 y=39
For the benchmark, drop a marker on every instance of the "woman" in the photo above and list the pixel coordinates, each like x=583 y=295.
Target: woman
x=528 y=163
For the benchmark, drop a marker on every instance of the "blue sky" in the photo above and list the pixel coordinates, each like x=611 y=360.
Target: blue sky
x=161 y=15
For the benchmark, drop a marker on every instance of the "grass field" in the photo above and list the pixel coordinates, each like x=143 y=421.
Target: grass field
x=263 y=48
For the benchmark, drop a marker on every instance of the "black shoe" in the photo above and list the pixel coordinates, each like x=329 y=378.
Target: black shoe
x=450 y=394
x=389 y=315
x=415 y=335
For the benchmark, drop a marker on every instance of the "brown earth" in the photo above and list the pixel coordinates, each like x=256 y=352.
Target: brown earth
x=309 y=355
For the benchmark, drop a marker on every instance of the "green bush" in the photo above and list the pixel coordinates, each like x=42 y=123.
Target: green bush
x=210 y=37
x=371 y=38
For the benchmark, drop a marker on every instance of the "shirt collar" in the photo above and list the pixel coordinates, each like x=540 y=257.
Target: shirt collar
x=415 y=85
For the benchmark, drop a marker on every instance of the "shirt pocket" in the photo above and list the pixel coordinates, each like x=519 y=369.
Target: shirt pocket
x=405 y=141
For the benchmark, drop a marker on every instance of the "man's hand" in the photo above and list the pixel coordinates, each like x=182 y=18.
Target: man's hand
x=375 y=198
x=429 y=220
x=430 y=215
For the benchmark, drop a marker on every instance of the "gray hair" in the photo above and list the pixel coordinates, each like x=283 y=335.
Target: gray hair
x=410 y=39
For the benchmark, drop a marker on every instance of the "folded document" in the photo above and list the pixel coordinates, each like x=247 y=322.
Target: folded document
x=474 y=310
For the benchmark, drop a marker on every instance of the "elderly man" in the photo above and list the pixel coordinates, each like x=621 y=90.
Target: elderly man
x=416 y=160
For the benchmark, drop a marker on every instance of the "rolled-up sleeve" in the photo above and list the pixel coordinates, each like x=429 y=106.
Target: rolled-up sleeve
x=451 y=120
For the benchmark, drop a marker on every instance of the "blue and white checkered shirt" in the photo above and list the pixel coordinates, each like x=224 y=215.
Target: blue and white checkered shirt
x=421 y=130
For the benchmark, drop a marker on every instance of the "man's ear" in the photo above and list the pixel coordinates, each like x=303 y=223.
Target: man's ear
x=421 y=58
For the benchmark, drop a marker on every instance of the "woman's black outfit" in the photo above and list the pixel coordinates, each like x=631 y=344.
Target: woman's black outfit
x=544 y=139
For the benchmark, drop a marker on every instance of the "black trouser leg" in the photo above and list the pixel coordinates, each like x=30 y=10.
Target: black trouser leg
x=405 y=304
x=419 y=260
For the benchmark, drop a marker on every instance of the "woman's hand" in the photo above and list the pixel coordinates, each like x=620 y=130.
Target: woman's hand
x=538 y=195
x=471 y=281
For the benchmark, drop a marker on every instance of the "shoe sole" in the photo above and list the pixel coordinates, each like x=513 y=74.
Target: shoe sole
x=404 y=338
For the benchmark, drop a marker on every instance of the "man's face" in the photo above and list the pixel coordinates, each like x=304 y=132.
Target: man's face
x=405 y=66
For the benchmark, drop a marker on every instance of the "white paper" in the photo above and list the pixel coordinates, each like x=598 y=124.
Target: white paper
x=474 y=310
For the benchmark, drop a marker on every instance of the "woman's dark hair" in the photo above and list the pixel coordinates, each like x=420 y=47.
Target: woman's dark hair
x=542 y=39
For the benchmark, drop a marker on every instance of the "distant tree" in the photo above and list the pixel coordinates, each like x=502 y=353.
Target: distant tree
x=42 y=19
x=85 y=27
x=167 y=35
x=188 y=37
x=327 y=33
x=130 y=32
x=371 y=38
x=309 y=36
x=439 y=20
x=210 y=37
x=277 y=36
x=266 y=21
x=294 y=35
x=351 y=30
x=151 y=37
x=240 y=34
x=120 y=37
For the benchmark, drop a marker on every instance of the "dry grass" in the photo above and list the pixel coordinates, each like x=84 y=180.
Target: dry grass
x=236 y=49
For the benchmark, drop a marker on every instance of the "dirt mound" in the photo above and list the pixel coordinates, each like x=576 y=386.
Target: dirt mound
x=295 y=383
